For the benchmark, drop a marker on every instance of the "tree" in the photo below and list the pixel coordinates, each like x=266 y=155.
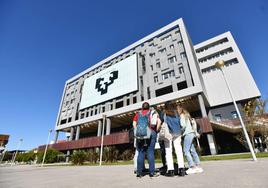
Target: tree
x=51 y=156
x=254 y=111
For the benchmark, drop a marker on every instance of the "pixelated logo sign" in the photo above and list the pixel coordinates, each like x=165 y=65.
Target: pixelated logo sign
x=112 y=82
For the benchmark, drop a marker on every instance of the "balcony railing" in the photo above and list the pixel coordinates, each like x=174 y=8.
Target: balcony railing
x=91 y=142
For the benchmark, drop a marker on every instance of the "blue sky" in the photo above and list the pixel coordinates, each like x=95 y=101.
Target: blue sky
x=45 y=42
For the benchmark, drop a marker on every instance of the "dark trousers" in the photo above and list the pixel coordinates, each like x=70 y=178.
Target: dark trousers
x=146 y=146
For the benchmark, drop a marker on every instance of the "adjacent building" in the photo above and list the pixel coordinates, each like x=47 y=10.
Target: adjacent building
x=3 y=142
x=163 y=66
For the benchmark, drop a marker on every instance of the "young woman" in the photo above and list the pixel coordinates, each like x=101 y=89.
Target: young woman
x=188 y=146
x=172 y=119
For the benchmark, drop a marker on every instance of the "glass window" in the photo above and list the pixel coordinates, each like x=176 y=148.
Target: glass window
x=181 y=70
x=162 y=50
x=218 y=117
x=168 y=75
x=158 y=65
x=155 y=79
x=183 y=55
x=172 y=59
x=234 y=114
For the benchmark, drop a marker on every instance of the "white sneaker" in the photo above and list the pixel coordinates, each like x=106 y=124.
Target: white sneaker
x=191 y=171
x=199 y=170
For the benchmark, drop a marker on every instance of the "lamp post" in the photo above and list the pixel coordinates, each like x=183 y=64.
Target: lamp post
x=220 y=65
x=102 y=135
x=3 y=155
x=49 y=132
x=14 y=158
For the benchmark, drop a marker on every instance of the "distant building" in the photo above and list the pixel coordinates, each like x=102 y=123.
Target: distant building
x=3 y=141
x=163 y=66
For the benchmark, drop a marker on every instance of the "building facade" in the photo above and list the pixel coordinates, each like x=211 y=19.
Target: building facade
x=163 y=66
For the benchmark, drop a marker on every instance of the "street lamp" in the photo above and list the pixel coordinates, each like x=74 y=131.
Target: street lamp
x=3 y=155
x=102 y=135
x=14 y=158
x=220 y=65
x=49 y=132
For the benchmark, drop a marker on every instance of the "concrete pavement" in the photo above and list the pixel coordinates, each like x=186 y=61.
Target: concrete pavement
x=232 y=173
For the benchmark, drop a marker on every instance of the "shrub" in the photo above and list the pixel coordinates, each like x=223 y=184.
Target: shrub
x=127 y=155
x=78 y=157
x=110 y=154
x=92 y=156
x=51 y=156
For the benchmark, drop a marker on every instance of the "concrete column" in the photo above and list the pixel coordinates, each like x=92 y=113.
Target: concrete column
x=202 y=106
x=56 y=136
x=68 y=156
x=108 y=126
x=99 y=128
x=71 y=134
x=210 y=137
x=77 y=132
x=211 y=144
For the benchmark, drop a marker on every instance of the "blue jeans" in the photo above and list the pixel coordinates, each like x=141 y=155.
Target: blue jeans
x=189 y=150
x=144 y=146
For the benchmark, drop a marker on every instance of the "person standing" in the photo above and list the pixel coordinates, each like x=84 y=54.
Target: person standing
x=147 y=145
x=188 y=146
x=172 y=119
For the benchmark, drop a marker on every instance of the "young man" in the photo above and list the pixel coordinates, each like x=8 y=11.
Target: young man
x=147 y=145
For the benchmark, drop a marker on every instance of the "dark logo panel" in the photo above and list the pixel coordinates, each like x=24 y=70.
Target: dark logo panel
x=101 y=86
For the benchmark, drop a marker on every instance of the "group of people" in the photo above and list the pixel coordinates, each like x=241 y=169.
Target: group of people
x=179 y=126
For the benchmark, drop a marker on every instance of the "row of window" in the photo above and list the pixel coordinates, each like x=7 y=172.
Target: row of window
x=213 y=68
x=168 y=75
x=216 y=55
x=217 y=43
x=163 y=50
x=218 y=117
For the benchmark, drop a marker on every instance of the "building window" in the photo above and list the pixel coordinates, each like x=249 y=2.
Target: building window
x=234 y=114
x=72 y=101
x=181 y=70
x=217 y=117
x=158 y=65
x=141 y=80
x=166 y=37
x=155 y=79
x=182 y=85
x=82 y=116
x=162 y=50
x=152 y=54
x=183 y=55
x=172 y=59
x=168 y=75
x=148 y=92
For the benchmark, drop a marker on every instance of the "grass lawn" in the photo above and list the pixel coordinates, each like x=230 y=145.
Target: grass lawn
x=202 y=158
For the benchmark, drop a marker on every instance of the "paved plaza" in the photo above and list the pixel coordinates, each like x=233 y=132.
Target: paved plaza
x=232 y=173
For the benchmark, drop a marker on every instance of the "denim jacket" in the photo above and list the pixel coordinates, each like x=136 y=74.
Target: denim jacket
x=173 y=123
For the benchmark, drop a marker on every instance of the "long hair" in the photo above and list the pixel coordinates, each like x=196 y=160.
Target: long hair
x=170 y=109
x=184 y=111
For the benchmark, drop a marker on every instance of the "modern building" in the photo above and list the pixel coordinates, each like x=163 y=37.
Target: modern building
x=163 y=66
x=3 y=142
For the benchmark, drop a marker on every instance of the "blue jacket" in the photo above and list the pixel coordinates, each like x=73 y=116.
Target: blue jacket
x=173 y=123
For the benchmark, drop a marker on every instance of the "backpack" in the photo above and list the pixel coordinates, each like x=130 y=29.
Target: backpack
x=142 y=130
x=196 y=127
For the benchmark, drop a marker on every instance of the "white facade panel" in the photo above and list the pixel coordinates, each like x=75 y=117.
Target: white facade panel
x=238 y=75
